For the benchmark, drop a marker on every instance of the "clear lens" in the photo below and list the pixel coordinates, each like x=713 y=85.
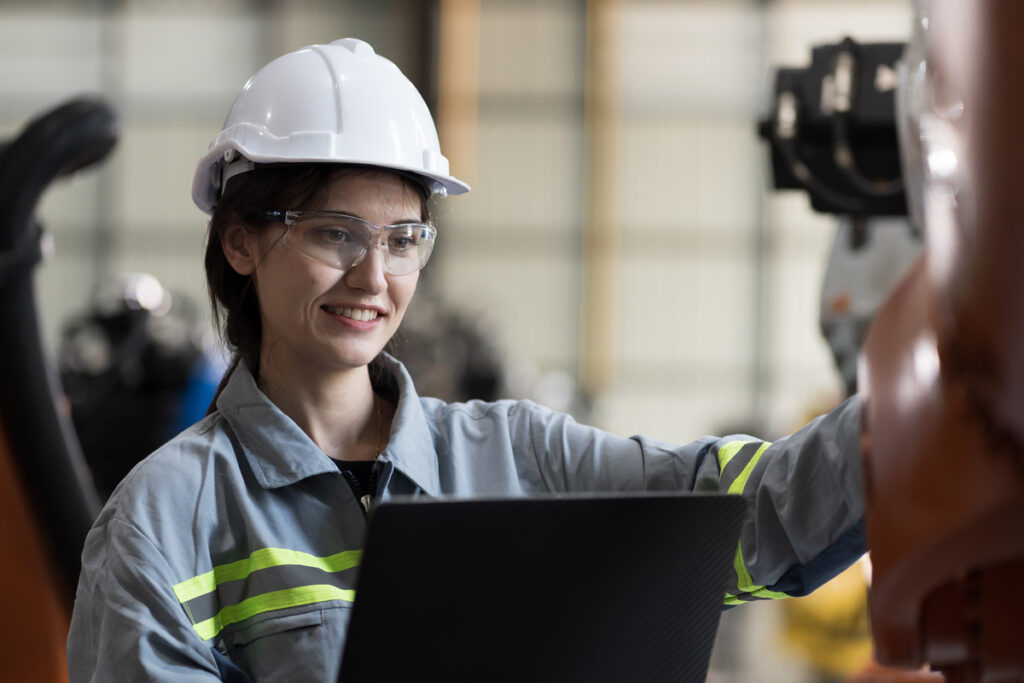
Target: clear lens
x=342 y=241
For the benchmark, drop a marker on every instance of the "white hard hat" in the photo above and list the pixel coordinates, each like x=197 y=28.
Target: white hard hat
x=335 y=103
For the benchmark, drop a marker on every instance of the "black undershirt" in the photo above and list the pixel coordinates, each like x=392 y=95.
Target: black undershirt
x=359 y=473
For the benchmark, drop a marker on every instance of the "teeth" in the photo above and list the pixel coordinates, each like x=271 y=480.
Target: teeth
x=361 y=314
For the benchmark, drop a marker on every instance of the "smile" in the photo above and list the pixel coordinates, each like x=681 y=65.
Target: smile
x=360 y=314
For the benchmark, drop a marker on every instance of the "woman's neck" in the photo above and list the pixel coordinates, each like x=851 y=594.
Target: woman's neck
x=337 y=410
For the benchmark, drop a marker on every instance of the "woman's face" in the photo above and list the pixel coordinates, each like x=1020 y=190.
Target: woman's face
x=318 y=317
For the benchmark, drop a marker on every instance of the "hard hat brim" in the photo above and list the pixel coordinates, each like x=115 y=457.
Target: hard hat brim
x=206 y=186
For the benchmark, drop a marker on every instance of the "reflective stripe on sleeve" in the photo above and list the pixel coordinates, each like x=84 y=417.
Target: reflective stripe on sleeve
x=732 y=600
x=269 y=579
x=728 y=451
x=739 y=454
x=743 y=456
x=745 y=584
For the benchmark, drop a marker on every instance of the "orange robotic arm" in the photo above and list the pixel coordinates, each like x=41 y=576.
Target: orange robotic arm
x=943 y=372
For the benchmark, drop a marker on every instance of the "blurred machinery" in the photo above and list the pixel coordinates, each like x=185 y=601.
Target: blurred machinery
x=829 y=629
x=940 y=370
x=136 y=371
x=48 y=501
x=867 y=259
x=454 y=357
x=447 y=352
x=944 y=376
x=832 y=131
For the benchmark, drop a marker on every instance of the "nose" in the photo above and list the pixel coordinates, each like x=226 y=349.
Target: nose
x=369 y=274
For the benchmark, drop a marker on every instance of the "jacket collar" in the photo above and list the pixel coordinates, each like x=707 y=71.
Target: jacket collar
x=411 y=446
x=280 y=453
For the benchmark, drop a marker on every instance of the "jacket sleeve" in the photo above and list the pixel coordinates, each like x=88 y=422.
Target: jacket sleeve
x=126 y=624
x=805 y=492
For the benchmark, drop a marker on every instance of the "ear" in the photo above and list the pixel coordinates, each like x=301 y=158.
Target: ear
x=241 y=248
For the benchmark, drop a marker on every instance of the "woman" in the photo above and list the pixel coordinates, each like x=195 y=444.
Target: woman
x=232 y=550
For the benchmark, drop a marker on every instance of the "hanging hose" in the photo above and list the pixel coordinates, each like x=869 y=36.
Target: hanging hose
x=41 y=440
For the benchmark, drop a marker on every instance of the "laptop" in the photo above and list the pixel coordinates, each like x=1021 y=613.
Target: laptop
x=610 y=587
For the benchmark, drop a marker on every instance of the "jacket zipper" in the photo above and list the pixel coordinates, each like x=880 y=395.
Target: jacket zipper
x=364 y=498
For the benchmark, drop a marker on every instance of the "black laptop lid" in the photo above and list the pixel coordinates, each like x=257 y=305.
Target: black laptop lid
x=609 y=588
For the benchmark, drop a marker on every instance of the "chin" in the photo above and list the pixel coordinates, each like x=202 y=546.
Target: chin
x=354 y=358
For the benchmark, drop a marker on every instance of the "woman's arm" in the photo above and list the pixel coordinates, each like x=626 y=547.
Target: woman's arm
x=127 y=624
x=805 y=492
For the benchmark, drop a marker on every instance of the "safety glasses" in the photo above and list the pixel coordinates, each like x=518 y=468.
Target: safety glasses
x=342 y=241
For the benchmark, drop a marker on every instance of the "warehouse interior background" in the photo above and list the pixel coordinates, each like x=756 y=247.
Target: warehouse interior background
x=622 y=250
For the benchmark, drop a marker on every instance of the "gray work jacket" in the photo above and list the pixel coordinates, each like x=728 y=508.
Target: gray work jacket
x=237 y=542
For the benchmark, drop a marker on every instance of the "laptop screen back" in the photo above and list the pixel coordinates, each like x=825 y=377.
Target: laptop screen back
x=594 y=587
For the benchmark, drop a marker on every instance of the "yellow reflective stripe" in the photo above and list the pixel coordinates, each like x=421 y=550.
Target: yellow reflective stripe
x=728 y=451
x=745 y=583
x=765 y=594
x=731 y=599
x=262 y=559
x=288 y=597
x=737 y=485
x=743 y=580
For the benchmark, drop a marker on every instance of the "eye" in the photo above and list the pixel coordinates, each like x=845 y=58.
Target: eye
x=402 y=242
x=331 y=234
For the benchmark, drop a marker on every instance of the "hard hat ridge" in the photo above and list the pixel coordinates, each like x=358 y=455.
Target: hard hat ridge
x=335 y=103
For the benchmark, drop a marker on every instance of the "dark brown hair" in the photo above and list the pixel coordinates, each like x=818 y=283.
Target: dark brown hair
x=235 y=307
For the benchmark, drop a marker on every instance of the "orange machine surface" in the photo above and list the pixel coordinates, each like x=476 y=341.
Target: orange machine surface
x=36 y=616
x=943 y=373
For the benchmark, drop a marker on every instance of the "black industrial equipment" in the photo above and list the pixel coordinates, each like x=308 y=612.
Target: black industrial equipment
x=832 y=129
x=43 y=444
x=132 y=367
